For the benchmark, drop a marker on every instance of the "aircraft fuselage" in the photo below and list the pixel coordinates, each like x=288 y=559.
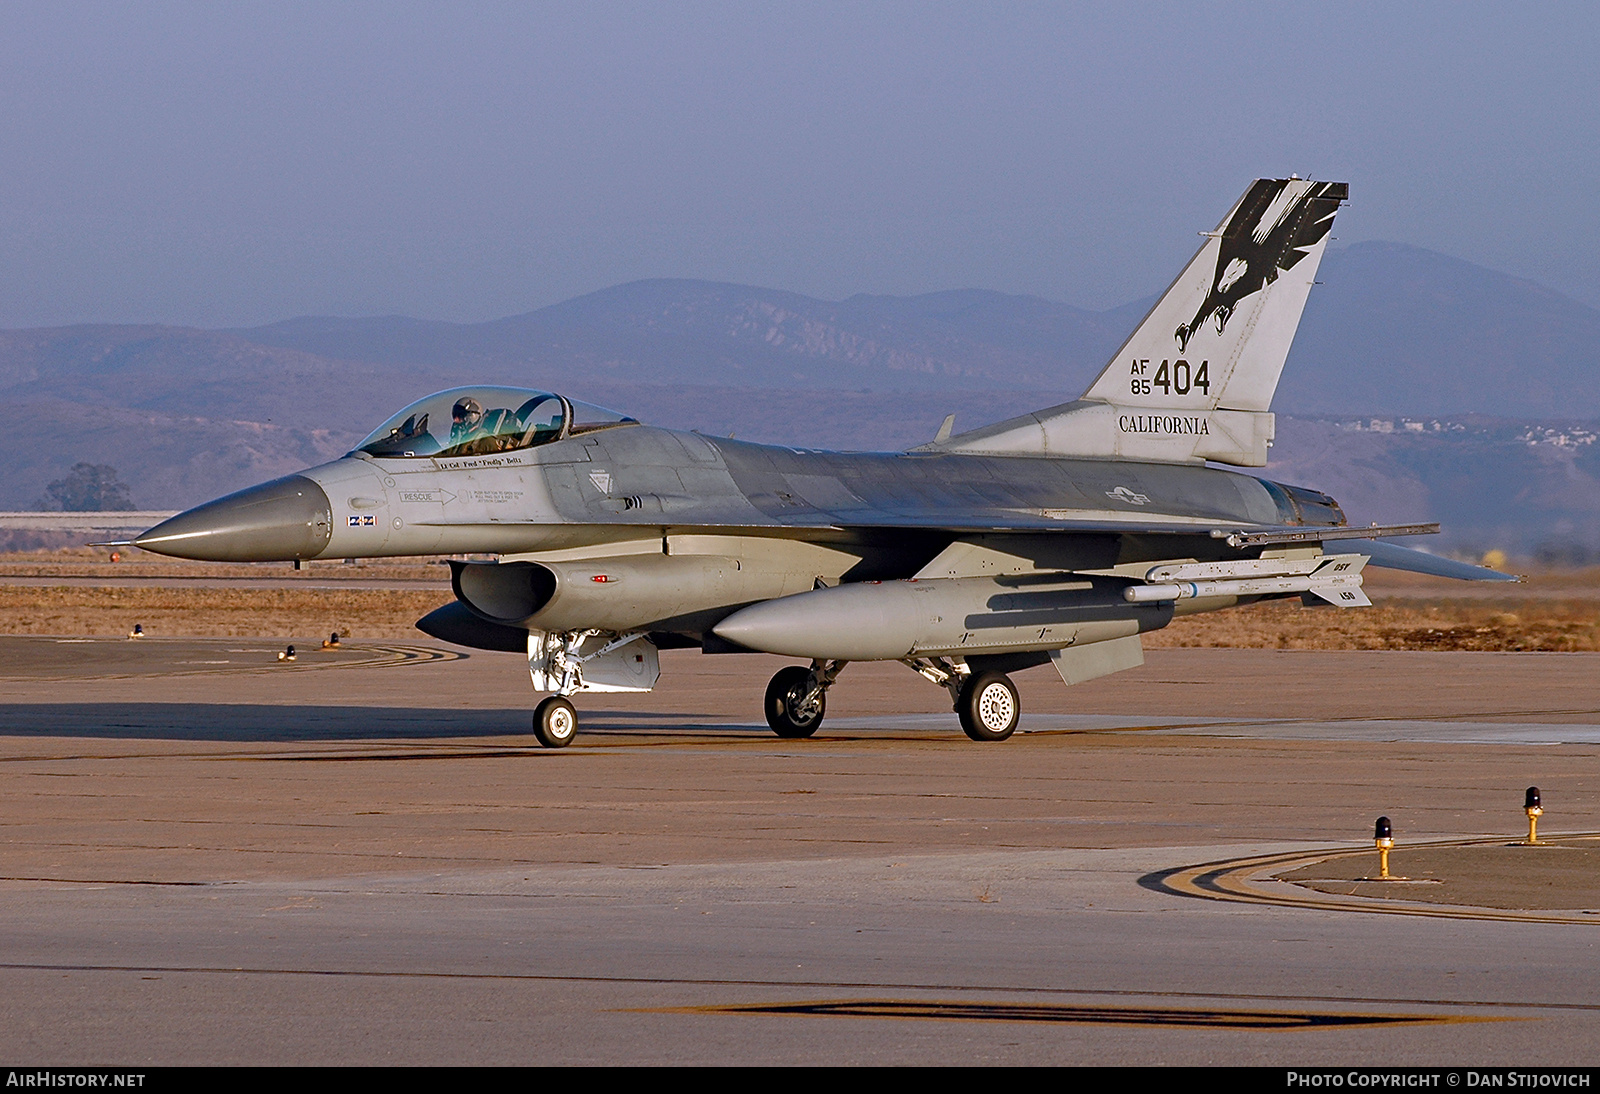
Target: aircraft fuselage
x=632 y=482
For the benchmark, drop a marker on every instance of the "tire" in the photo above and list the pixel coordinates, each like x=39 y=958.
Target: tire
x=780 y=710
x=555 y=722
x=989 y=707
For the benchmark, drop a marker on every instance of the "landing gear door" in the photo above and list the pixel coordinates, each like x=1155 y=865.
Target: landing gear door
x=634 y=667
x=552 y=660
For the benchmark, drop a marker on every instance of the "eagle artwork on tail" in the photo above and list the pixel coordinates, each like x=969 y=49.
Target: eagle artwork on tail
x=1274 y=226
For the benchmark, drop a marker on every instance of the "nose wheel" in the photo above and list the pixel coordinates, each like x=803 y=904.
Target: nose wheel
x=988 y=706
x=555 y=722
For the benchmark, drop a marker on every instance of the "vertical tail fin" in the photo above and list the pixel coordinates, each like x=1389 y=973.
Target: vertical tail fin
x=1195 y=381
x=1219 y=335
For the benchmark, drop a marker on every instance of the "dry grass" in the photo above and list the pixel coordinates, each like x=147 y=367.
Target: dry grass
x=92 y=611
x=1394 y=624
x=88 y=562
x=418 y=585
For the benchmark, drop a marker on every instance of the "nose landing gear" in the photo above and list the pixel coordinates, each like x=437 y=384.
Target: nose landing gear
x=568 y=662
x=555 y=722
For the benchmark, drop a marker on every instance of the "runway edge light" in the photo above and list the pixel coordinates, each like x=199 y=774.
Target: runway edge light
x=1383 y=837
x=1532 y=807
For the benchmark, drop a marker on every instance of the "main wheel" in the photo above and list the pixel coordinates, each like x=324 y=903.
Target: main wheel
x=555 y=723
x=989 y=707
x=785 y=714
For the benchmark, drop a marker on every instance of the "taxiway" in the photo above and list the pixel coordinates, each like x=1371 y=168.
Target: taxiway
x=362 y=856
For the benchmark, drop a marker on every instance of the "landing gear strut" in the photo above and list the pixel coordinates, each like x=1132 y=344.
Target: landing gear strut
x=986 y=702
x=567 y=662
x=798 y=697
x=555 y=722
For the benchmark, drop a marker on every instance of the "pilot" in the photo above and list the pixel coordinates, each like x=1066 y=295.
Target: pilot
x=466 y=420
x=477 y=432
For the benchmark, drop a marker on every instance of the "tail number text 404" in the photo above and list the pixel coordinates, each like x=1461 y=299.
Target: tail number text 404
x=1171 y=377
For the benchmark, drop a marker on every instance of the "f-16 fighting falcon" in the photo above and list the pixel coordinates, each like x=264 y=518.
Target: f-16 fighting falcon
x=1057 y=537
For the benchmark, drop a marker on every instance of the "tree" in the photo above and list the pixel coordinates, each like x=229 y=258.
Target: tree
x=88 y=487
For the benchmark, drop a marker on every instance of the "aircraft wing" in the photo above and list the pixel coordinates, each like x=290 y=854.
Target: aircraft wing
x=1070 y=521
x=1390 y=556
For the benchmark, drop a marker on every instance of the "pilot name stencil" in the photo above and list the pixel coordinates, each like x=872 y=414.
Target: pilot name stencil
x=461 y=464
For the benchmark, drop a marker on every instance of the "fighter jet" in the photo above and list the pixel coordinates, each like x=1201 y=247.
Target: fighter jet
x=1059 y=537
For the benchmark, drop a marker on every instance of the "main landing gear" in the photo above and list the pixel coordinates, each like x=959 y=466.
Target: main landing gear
x=798 y=697
x=988 y=706
x=986 y=702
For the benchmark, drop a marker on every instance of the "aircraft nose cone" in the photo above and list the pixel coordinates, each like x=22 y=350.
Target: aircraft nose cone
x=278 y=521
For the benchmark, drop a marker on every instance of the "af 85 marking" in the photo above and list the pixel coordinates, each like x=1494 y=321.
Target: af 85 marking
x=1171 y=377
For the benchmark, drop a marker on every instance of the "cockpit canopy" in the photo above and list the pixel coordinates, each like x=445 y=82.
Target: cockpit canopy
x=477 y=421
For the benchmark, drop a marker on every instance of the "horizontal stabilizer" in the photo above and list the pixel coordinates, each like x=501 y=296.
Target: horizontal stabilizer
x=1391 y=556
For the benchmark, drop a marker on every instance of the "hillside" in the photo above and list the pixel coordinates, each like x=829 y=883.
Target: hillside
x=1393 y=332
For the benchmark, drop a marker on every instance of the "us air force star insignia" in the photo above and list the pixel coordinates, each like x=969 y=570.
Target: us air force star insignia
x=601 y=480
x=1122 y=493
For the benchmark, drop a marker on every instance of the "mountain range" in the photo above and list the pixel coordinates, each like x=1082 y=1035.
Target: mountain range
x=1394 y=332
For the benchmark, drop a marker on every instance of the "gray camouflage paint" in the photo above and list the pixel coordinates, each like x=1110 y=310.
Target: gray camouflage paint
x=885 y=515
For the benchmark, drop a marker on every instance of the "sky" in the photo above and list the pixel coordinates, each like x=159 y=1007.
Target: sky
x=233 y=164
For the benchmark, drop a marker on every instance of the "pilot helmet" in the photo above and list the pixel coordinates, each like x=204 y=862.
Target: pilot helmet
x=467 y=412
